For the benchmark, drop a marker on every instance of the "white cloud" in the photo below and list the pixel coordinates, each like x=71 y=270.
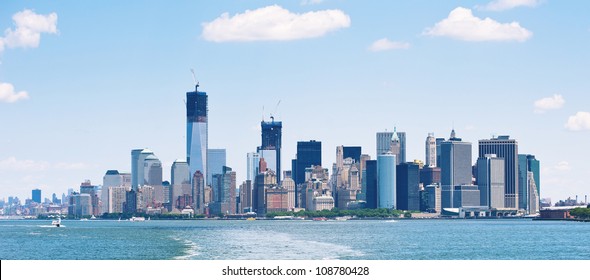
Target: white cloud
x=563 y=166
x=579 y=121
x=29 y=27
x=501 y=5
x=7 y=93
x=311 y=2
x=12 y=163
x=273 y=23
x=384 y=45
x=549 y=103
x=462 y=25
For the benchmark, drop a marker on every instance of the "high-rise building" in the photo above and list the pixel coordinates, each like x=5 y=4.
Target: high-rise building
x=455 y=159
x=434 y=198
x=246 y=196
x=152 y=171
x=506 y=148
x=372 y=186
x=430 y=160
x=264 y=181
x=113 y=178
x=224 y=192
x=138 y=157
x=408 y=186
x=197 y=131
x=386 y=180
x=533 y=196
x=198 y=193
x=527 y=163
x=216 y=161
x=252 y=165
x=36 y=195
x=270 y=148
x=490 y=180
x=430 y=175
x=353 y=152
x=87 y=188
x=309 y=153
x=438 y=142
x=394 y=142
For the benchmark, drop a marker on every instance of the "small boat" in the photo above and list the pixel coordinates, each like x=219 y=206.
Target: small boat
x=56 y=223
x=251 y=219
x=137 y=219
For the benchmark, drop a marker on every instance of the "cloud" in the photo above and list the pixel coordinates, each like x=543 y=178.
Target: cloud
x=549 y=103
x=579 y=121
x=384 y=45
x=273 y=23
x=8 y=95
x=29 y=27
x=501 y=5
x=12 y=163
x=462 y=25
x=311 y=2
x=563 y=166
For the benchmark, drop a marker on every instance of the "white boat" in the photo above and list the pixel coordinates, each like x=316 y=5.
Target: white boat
x=137 y=219
x=56 y=223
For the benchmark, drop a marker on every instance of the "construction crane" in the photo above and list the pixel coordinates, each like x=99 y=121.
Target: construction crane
x=195 y=79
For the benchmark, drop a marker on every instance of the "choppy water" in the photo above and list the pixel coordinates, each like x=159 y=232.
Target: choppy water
x=283 y=240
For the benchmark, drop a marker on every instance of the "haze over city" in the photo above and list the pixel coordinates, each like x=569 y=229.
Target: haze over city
x=82 y=84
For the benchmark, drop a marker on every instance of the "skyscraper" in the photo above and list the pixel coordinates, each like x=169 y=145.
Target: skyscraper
x=353 y=152
x=309 y=153
x=408 y=186
x=270 y=149
x=455 y=165
x=394 y=142
x=506 y=148
x=527 y=163
x=216 y=161
x=490 y=180
x=430 y=150
x=36 y=195
x=114 y=179
x=197 y=131
x=252 y=165
x=384 y=142
x=372 y=187
x=138 y=157
x=180 y=184
x=152 y=171
x=386 y=180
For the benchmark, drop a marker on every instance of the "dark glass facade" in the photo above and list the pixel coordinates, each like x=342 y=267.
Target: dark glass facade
x=271 y=140
x=353 y=152
x=196 y=106
x=408 y=186
x=371 y=176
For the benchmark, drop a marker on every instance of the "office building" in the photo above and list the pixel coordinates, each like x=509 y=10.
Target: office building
x=371 y=185
x=180 y=182
x=246 y=196
x=430 y=175
x=309 y=153
x=216 y=161
x=533 y=197
x=252 y=166
x=455 y=158
x=197 y=141
x=394 y=142
x=113 y=178
x=506 y=148
x=138 y=157
x=490 y=180
x=270 y=148
x=197 y=193
x=527 y=163
x=36 y=195
x=433 y=198
x=430 y=159
x=152 y=171
x=408 y=186
x=353 y=152
x=386 y=180
x=264 y=181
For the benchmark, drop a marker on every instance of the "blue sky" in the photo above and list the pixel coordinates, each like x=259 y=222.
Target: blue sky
x=106 y=77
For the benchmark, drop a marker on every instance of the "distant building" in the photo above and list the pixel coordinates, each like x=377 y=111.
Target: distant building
x=180 y=182
x=490 y=179
x=460 y=196
x=216 y=160
x=430 y=151
x=455 y=159
x=152 y=171
x=270 y=148
x=87 y=188
x=528 y=163
x=434 y=198
x=197 y=135
x=253 y=163
x=246 y=196
x=113 y=178
x=80 y=205
x=264 y=181
x=408 y=186
x=430 y=175
x=386 y=180
x=138 y=157
x=198 y=194
x=36 y=195
x=372 y=198
x=309 y=153
x=506 y=148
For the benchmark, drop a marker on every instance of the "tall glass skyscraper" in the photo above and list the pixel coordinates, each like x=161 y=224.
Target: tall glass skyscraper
x=506 y=148
x=527 y=163
x=196 y=131
x=386 y=180
x=270 y=148
x=216 y=161
x=309 y=153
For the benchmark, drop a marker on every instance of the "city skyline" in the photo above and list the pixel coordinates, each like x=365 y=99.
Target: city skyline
x=92 y=97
